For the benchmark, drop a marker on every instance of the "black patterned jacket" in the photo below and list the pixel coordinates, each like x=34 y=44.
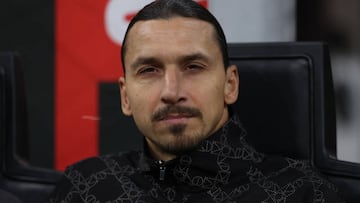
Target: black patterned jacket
x=224 y=168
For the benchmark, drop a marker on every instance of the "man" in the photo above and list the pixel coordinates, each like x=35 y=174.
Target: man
x=178 y=87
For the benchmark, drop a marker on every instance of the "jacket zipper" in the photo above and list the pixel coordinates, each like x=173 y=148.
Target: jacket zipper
x=162 y=169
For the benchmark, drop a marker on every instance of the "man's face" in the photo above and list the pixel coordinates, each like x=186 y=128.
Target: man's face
x=176 y=87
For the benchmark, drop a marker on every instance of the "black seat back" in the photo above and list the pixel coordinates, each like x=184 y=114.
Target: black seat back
x=281 y=96
x=18 y=180
x=286 y=103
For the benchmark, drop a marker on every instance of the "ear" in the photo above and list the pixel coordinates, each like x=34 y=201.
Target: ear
x=231 y=90
x=125 y=104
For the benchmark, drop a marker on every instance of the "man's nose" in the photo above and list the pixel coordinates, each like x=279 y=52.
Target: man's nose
x=172 y=87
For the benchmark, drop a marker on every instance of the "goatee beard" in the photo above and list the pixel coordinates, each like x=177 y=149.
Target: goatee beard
x=177 y=130
x=182 y=143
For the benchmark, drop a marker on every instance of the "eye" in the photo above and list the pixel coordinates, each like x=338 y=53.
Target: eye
x=195 y=67
x=147 y=69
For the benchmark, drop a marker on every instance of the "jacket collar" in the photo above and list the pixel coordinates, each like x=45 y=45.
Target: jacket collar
x=215 y=159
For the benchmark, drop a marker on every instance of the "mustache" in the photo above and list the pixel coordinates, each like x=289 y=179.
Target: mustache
x=162 y=113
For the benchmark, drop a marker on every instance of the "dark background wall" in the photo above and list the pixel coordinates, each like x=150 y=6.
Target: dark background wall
x=27 y=28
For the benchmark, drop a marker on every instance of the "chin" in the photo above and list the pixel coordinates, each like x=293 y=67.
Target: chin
x=182 y=144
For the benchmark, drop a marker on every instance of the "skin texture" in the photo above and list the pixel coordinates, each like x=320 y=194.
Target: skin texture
x=175 y=85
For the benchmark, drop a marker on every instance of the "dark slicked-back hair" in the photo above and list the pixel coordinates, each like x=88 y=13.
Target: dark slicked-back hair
x=166 y=9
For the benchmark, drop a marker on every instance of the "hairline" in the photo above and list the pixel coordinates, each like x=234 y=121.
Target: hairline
x=215 y=35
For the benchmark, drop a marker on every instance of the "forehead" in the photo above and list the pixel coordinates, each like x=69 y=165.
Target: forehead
x=171 y=24
x=169 y=36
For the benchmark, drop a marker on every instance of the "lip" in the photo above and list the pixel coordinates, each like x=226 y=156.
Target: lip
x=175 y=118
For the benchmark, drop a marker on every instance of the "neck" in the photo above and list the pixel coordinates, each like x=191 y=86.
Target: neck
x=158 y=154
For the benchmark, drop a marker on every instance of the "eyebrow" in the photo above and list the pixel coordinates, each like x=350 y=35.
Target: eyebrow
x=193 y=57
x=144 y=60
x=180 y=60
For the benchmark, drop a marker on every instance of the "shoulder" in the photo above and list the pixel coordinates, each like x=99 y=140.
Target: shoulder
x=89 y=175
x=105 y=163
x=299 y=180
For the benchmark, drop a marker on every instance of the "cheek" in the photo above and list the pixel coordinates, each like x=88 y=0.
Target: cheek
x=209 y=97
x=142 y=102
x=141 y=112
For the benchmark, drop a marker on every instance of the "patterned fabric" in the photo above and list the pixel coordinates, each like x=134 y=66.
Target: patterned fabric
x=224 y=168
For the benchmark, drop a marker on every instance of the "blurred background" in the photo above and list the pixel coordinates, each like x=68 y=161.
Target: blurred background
x=70 y=51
